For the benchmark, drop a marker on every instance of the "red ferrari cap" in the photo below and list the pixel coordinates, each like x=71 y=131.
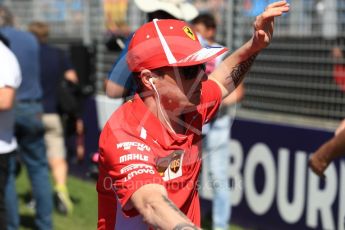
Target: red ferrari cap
x=167 y=43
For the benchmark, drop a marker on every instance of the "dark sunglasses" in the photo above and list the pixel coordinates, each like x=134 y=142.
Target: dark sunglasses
x=191 y=72
x=188 y=72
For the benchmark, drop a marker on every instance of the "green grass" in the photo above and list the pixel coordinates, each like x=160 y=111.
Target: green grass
x=84 y=216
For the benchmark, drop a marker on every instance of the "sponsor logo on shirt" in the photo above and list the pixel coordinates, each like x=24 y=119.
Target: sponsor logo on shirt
x=129 y=144
x=139 y=172
x=170 y=167
x=175 y=164
x=135 y=166
x=133 y=156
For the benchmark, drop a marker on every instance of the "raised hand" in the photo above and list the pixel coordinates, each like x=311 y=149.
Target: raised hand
x=264 y=23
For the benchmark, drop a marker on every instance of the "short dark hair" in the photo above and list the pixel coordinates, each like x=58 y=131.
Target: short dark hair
x=40 y=30
x=206 y=19
x=137 y=81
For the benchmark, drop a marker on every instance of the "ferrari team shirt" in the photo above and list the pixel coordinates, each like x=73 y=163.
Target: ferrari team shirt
x=136 y=149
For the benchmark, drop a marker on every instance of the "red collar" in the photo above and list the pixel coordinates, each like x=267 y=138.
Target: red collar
x=154 y=128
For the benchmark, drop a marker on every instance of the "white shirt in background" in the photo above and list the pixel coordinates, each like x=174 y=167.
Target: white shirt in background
x=10 y=76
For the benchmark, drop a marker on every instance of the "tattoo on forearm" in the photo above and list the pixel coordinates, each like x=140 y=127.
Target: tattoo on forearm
x=173 y=206
x=181 y=226
x=237 y=74
x=185 y=227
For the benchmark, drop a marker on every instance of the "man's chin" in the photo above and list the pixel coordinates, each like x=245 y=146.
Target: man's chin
x=194 y=101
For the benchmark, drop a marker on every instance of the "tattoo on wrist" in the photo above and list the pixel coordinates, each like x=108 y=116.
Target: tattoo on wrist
x=237 y=74
x=173 y=206
x=184 y=226
x=181 y=226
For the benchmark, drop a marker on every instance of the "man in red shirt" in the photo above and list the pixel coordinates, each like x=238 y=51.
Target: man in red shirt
x=150 y=148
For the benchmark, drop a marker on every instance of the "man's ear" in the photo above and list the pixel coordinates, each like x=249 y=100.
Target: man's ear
x=145 y=76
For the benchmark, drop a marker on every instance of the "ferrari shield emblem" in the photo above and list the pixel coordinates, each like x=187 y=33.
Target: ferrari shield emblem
x=189 y=32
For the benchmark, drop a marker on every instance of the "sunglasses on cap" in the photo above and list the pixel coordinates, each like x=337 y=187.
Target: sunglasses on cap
x=187 y=72
x=191 y=72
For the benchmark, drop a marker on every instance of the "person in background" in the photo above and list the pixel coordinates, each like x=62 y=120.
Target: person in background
x=29 y=128
x=120 y=83
x=54 y=66
x=217 y=131
x=9 y=81
x=338 y=68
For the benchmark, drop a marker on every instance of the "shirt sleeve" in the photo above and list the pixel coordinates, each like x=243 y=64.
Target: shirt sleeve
x=211 y=98
x=10 y=71
x=126 y=164
x=120 y=73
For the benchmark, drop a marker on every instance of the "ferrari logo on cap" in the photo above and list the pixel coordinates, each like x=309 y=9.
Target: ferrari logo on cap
x=189 y=32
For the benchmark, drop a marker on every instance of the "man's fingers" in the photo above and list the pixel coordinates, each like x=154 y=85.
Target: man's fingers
x=277 y=4
x=267 y=15
x=272 y=13
x=317 y=172
x=275 y=12
x=316 y=169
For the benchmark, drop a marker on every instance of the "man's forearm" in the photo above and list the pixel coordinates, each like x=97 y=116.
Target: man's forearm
x=185 y=224
x=237 y=74
x=232 y=70
x=158 y=210
x=337 y=144
x=332 y=149
x=164 y=215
